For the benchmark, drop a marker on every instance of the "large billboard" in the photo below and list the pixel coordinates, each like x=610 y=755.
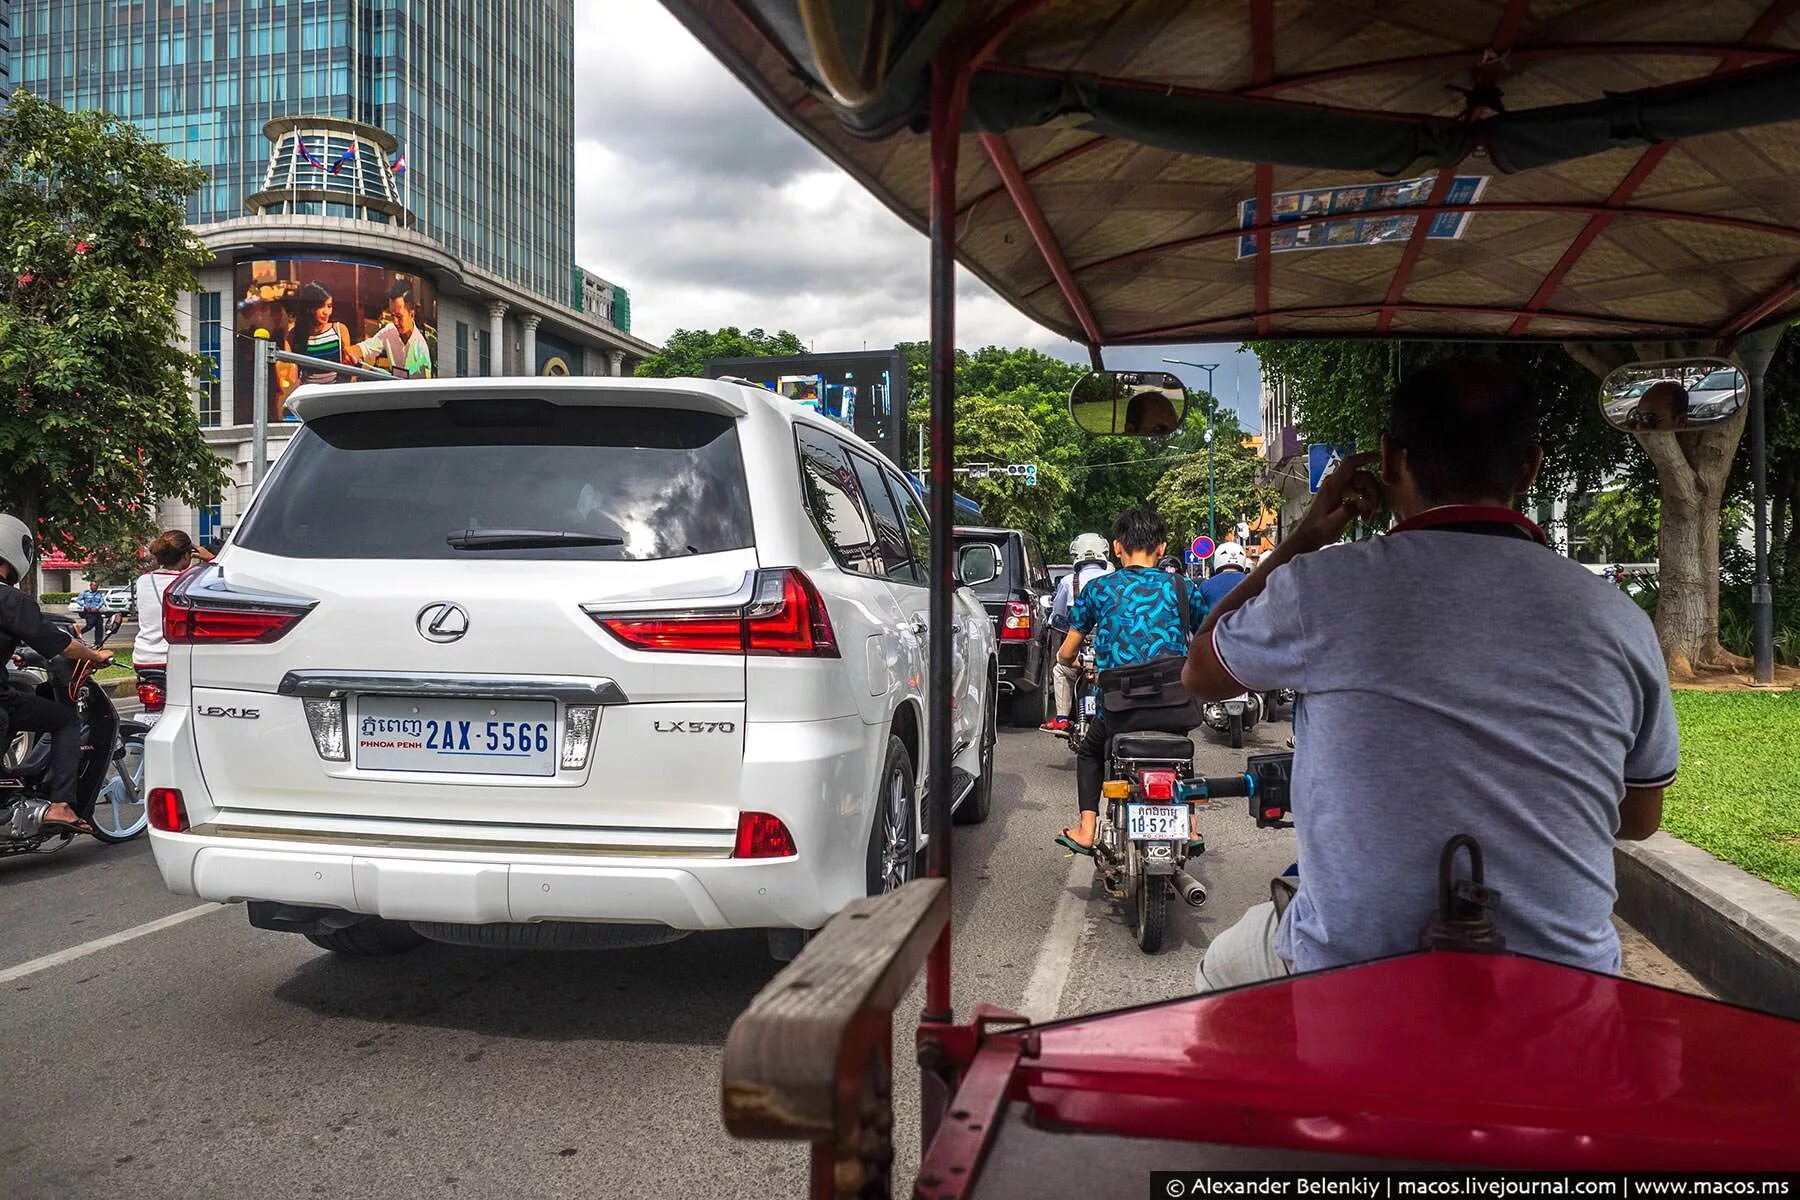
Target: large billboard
x=345 y=312
x=862 y=389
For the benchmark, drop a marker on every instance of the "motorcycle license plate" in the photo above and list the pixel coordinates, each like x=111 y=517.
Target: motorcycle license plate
x=1090 y=705
x=1156 y=822
x=463 y=737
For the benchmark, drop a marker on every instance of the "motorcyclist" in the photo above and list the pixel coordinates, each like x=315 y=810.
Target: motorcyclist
x=1088 y=552
x=1134 y=616
x=1230 y=566
x=25 y=712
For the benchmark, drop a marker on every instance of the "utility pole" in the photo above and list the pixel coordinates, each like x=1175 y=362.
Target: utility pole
x=1212 y=407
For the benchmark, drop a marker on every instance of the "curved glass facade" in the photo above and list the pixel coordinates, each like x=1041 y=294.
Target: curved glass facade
x=478 y=94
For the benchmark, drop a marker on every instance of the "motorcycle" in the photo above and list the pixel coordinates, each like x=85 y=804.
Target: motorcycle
x=1234 y=716
x=1144 y=838
x=1087 y=697
x=108 y=788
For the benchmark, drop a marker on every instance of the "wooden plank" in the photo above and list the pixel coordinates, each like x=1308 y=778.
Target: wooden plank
x=796 y=1061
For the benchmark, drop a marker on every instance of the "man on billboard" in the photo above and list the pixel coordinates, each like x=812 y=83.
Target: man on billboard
x=400 y=340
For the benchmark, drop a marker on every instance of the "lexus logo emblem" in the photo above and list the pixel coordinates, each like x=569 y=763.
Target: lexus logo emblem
x=443 y=622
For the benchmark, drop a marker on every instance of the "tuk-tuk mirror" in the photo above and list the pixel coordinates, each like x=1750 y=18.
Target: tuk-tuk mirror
x=1672 y=395
x=1129 y=403
x=977 y=563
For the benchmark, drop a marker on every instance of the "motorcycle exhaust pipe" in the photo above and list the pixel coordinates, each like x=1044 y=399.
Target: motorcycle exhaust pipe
x=1191 y=889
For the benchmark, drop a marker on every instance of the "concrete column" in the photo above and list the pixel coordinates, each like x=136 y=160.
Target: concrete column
x=529 y=365
x=615 y=360
x=497 y=337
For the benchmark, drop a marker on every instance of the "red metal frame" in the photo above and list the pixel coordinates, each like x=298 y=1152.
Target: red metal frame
x=1325 y=310
x=1001 y=155
x=1762 y=308
x=1767 y=24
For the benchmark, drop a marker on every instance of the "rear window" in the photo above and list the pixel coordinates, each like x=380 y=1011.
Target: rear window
x=399 y=484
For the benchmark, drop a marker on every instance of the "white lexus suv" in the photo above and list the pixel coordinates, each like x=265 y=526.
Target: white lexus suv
x=560 y=662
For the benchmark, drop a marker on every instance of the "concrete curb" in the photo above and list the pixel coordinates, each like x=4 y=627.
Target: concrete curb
x=1739 y=935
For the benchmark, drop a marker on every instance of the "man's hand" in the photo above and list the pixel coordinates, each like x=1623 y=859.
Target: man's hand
x=1347 y=494
x=1070 y=648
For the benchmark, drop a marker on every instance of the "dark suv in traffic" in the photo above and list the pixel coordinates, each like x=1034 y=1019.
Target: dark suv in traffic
x=1018 y=601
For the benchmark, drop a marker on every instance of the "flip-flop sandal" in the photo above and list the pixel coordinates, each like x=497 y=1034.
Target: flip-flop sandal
x=1070 y=844
x=76 y=826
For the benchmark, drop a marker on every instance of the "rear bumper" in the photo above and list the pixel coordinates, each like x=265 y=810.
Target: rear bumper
x=1015 y=668
x=480 y=889
x=817 y=776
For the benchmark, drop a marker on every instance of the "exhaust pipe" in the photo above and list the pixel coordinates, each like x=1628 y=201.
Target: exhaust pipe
x=1191 y=889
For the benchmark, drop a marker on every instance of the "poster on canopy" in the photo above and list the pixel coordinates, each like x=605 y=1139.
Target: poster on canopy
x=1359 y=214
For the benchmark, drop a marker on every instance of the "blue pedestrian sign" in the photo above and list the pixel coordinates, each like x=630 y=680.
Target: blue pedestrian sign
x=1193 y=560
x=1322 y=460
x=1202 y=547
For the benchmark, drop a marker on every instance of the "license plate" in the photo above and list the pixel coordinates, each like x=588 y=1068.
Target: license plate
x=1090 y=705
x=456 y=737
x=1156 y=822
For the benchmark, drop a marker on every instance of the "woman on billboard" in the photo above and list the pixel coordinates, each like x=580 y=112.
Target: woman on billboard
x=314 y=333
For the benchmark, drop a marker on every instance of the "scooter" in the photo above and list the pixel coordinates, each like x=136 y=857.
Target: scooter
x=1232 y=717
x=107 y=795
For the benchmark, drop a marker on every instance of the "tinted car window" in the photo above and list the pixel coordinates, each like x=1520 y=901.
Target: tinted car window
x=396 y=484
x=918 y=525
x=834 y=499
x=890 y=526
x=1035 y=570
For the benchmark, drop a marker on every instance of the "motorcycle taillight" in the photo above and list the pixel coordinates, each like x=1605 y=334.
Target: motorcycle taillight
x=151 y=696
x=1158 y=785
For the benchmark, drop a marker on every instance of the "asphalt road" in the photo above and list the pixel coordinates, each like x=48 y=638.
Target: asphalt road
x=207 y=1058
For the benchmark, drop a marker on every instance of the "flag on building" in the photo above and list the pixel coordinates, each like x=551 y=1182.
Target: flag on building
x=348 y=155
x=308 y=155
x=398 y=166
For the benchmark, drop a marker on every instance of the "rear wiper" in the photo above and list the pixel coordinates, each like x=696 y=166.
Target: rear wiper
x=527 y=539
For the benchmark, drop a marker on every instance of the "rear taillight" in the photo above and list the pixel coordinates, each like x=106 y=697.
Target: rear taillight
x=199 y=609
x=1158 y=785
x=762 y=835
x=167 y=812
x=151 y=696
x=785 y=616
x=1015 y=624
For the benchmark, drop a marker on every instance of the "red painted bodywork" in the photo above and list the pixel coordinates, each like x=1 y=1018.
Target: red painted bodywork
x=1441 y=1057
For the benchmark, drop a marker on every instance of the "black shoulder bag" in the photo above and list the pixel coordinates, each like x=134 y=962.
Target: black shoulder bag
x=1153 y=684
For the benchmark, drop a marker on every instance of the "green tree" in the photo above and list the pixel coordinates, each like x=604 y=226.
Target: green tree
x=686 y=350
x=1618 y=525
x=1238 y=493
x=97 y=413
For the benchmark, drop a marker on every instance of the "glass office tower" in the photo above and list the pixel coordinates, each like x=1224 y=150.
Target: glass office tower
x=478 y=95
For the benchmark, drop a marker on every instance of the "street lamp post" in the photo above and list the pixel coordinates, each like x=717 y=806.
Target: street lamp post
x=1212 y=405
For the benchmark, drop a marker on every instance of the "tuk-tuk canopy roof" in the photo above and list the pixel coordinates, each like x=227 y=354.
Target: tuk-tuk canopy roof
x=1142 y=171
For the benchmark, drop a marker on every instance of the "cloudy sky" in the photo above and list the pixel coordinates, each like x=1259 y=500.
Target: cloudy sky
x=711 y=212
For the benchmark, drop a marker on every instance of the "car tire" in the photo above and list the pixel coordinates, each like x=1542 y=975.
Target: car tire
x=894 y=856
x=975 y=809
x=374 y=938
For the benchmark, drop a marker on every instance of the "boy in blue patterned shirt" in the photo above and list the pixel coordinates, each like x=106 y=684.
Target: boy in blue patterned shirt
x=1134 y=615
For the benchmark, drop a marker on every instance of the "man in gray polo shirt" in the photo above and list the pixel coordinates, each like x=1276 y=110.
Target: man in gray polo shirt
x=1454 y=676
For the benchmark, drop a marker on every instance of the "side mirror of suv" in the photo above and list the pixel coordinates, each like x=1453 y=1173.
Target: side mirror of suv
x=977 y=563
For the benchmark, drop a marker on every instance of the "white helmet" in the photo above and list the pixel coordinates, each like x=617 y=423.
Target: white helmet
x=1087 y=547
x=17 y=545
x=1230 y=554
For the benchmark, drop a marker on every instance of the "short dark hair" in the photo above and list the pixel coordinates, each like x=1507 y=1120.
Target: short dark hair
x=1140 y=530
x=400 y=290
x=1467 y=426
x=1674 y=392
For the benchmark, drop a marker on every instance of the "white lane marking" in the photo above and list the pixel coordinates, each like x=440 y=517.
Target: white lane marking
x=1050 y=974
x=103 y=943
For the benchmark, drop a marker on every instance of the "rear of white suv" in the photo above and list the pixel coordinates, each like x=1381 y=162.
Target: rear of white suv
x=476 y=665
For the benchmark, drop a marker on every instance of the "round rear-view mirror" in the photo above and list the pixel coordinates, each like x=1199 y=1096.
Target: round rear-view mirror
x=1672 y=395
x=1129 y=403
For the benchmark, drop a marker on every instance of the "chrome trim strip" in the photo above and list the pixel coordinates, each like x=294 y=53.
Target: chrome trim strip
x=397 y=841
x=207 y=583
x=676 y=607
x=331 y=684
